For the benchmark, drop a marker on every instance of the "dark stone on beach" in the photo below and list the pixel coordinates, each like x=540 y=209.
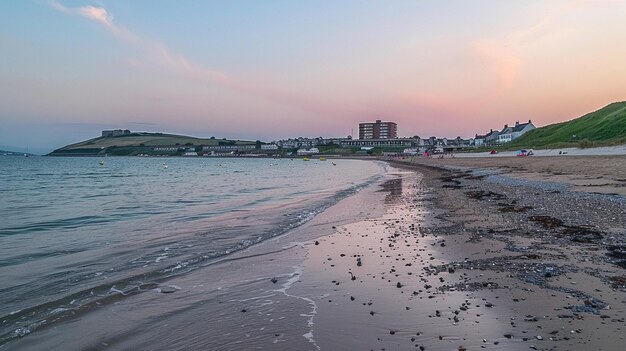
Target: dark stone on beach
x=508 y=335
x=317 y=242
x=399 y=285
x=392 y=332
x=274 y=280
x=583 y=235
x=547 y=221
x=488 y=304
x=168 y=290
x=351 y=298
x=617 y=251
x=426 y=286
x=618 y=281
x=244 y=310
x=372 y=313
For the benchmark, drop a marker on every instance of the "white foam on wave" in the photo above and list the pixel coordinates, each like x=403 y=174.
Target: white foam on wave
x=295 y=276
x=254 y=298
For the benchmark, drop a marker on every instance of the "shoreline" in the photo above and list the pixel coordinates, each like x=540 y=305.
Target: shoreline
x=249 y=287
x=440 y=269
x=451 y=269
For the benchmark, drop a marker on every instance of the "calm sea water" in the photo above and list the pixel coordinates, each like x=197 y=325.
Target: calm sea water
x=74 y=232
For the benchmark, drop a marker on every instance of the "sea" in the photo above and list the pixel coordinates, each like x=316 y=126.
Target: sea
x=78 y=234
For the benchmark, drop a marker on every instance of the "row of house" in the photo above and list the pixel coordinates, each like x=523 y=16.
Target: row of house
x=507 y=134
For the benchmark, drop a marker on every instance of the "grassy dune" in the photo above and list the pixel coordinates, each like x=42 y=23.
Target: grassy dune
x=606 y=126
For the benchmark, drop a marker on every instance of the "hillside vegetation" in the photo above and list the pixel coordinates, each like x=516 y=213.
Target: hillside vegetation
x=606 y=126
x=138 y=143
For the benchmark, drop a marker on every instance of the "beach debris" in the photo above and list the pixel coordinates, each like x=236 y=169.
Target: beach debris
x=547 y=221
x=21 y=332
x=168 y=289
x=274 y=280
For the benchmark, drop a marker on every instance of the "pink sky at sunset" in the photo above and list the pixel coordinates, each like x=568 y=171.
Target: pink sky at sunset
x=436 y=68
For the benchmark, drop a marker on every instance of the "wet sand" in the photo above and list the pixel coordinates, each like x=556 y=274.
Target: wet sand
x=241 y=302
x=462 y=260
x=434 y=259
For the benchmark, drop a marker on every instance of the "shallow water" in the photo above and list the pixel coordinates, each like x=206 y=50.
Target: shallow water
x=75 y=234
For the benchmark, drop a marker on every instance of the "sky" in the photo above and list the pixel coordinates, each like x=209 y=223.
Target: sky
x=275 y=69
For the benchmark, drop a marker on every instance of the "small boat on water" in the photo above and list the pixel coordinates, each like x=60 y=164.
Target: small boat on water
x=322 y=158
x=101 y=163
x=306 y=159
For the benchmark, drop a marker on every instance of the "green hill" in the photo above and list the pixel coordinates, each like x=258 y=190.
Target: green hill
x=606 y=126
x=141 y=143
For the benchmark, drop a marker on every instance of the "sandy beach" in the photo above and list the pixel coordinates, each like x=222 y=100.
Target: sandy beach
x=462 y=260
x=506 y=254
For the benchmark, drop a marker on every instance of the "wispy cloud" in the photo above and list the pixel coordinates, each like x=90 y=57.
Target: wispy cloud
x=188 y=69
x=502 y=60
x=505 y=54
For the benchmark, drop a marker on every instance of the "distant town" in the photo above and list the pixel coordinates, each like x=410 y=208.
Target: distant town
x=380 y=137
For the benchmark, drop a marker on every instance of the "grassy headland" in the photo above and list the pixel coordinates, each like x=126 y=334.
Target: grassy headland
x=604 y=127
x=141 y=143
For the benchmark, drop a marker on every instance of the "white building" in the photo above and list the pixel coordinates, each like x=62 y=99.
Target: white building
x=509 y=134
x=269 y=147
x=311 y=151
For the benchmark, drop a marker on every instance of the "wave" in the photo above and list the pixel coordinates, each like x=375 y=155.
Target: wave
x=144 y=273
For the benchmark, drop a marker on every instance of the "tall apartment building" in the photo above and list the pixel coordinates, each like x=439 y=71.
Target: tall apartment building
x=378 y=130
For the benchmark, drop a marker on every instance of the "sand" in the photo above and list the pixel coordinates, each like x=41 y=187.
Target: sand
x=599 y=174
x=432 y=277
x=570 y=151
x=446 y=255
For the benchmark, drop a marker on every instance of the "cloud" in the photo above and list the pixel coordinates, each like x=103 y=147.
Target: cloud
x=503 y=61
x=505 y=54
x=97 y=14
x=188 y=69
